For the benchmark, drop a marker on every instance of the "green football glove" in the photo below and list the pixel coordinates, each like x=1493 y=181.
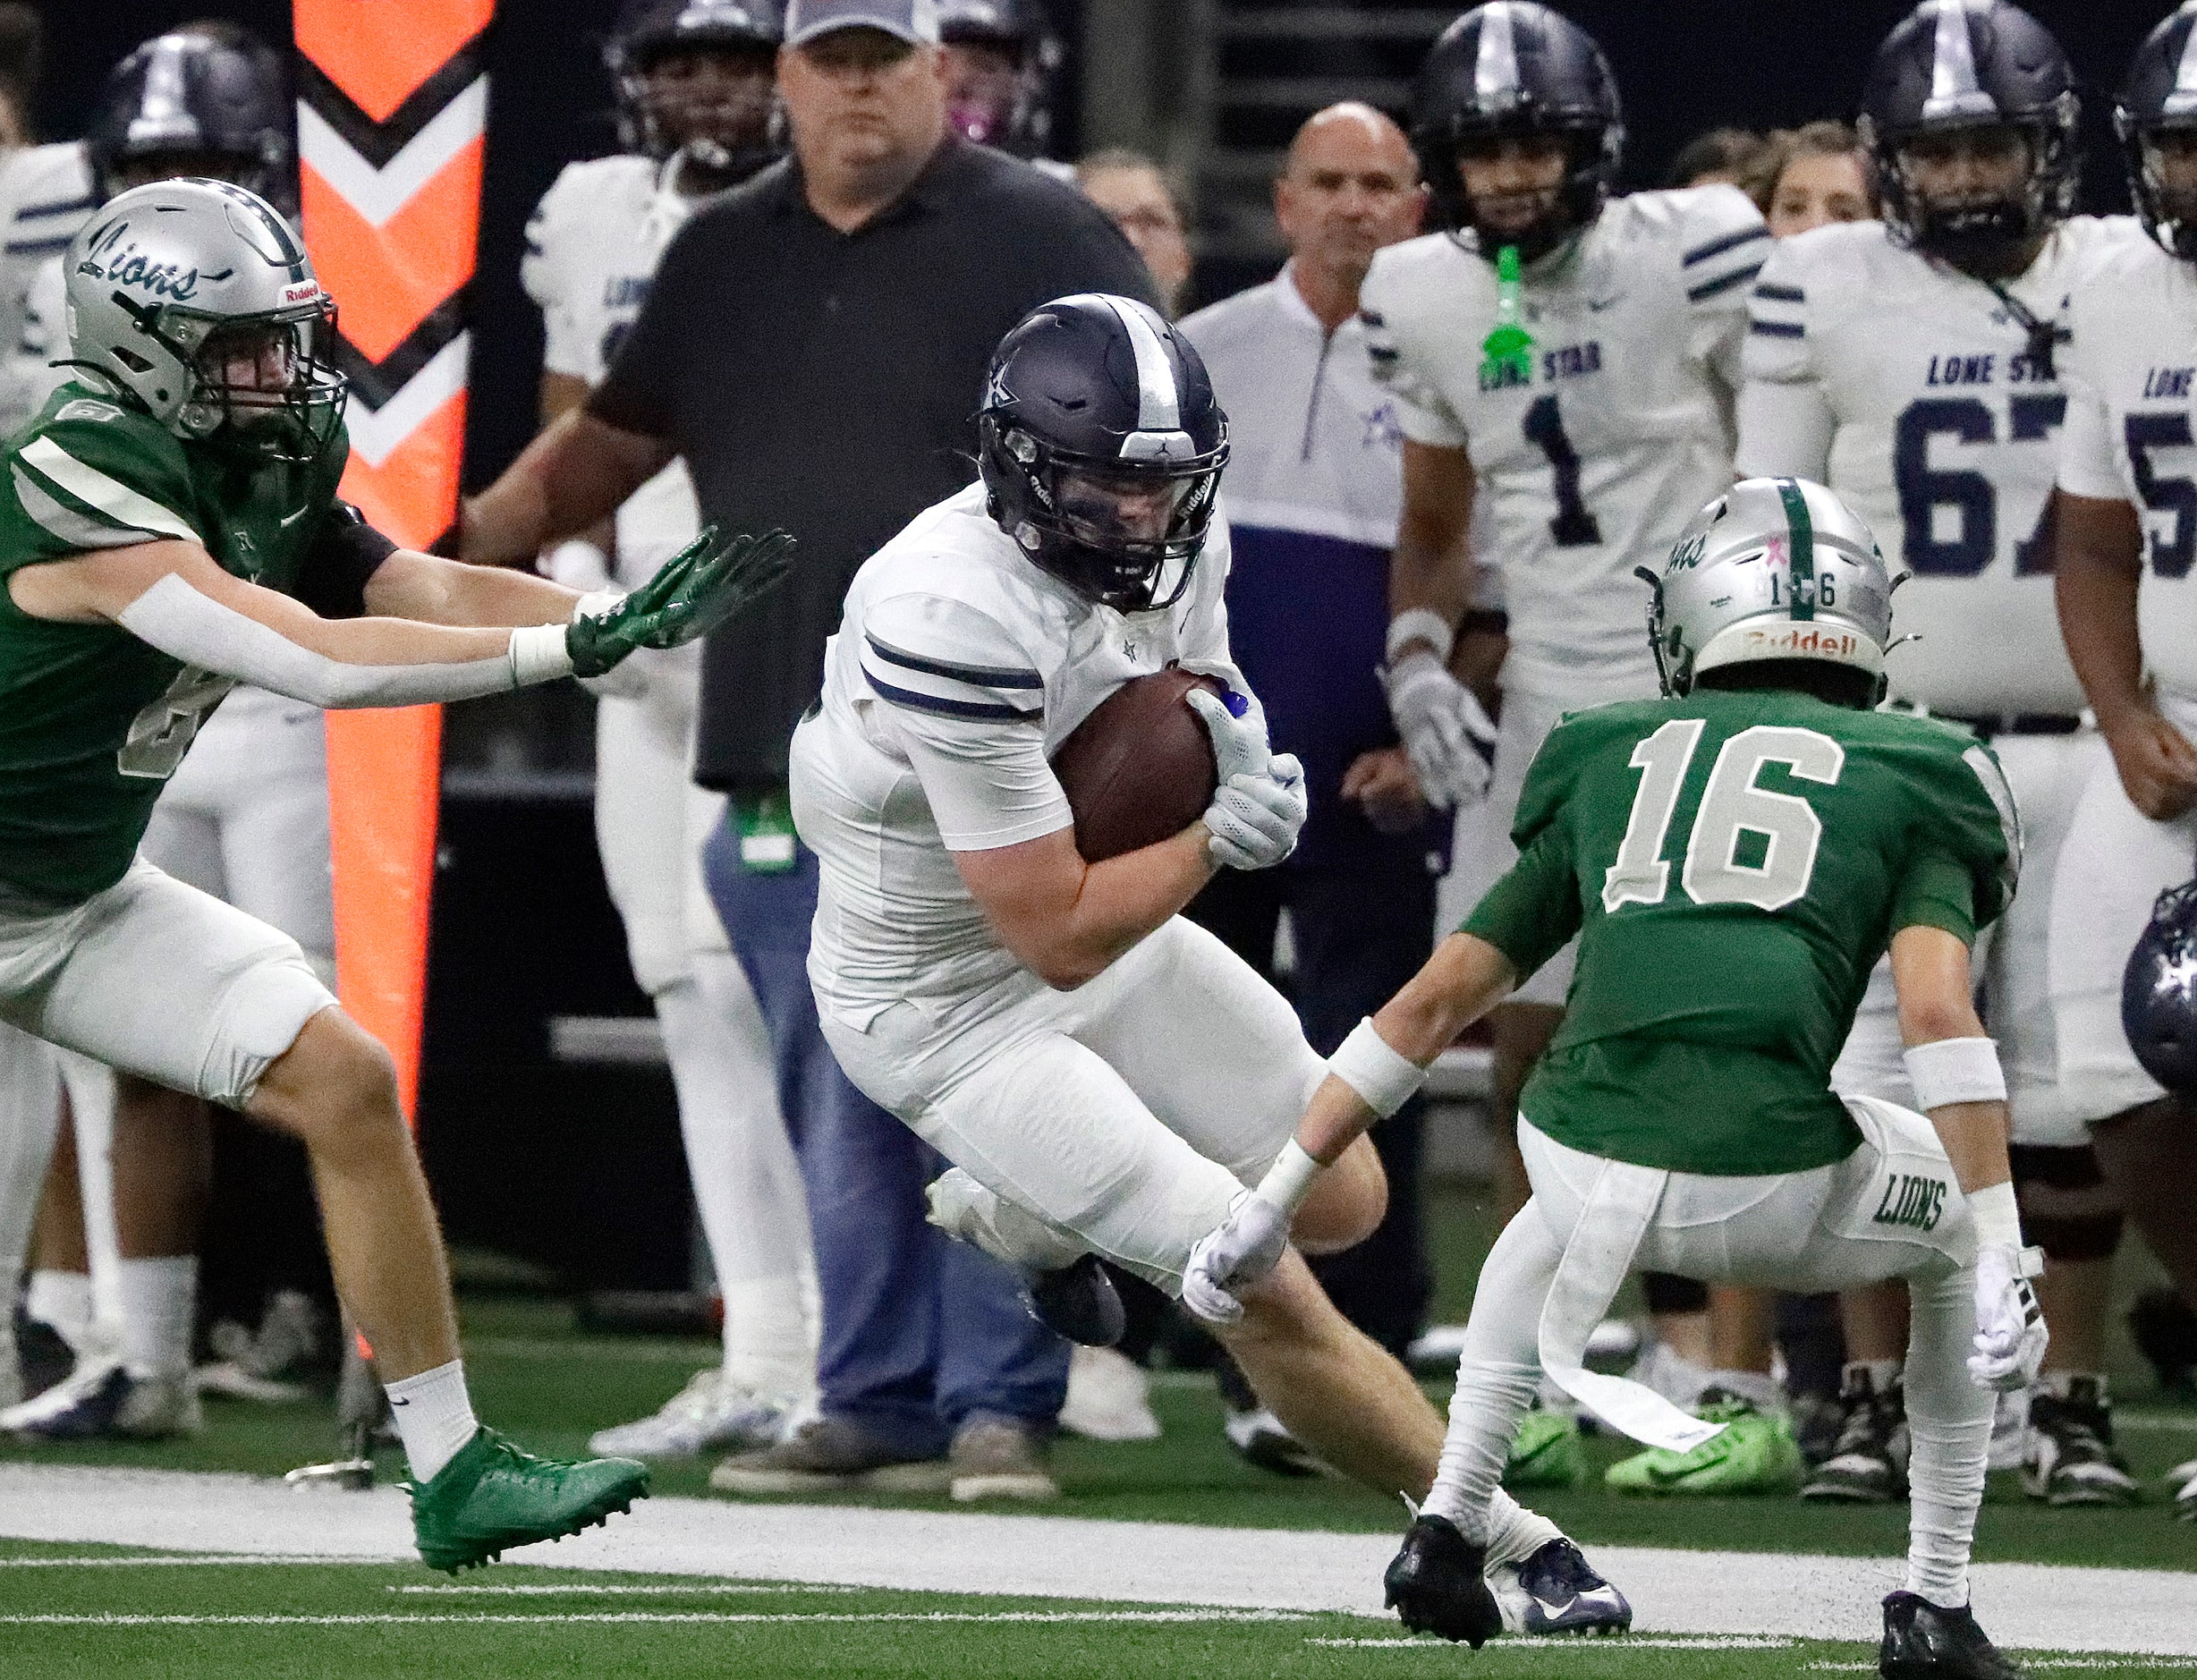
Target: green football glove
x=708 y=581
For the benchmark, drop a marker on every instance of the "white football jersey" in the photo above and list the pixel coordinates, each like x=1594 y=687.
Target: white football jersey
x=2132 y=379
x=591 y=250
x=1940 y=428
x=46 y=193
x=1596 y=460
x=958 y=668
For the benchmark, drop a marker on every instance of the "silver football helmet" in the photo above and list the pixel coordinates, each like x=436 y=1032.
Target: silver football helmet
x=196 y=299
x=1772 y=569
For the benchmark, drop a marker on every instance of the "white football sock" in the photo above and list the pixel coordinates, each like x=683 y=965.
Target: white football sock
x=1514 y=1532
x=61 y=1301
x=1949 y=1427
x=29 y=1107
x=434 y=1417
x=747 y=1184
x=91 y=1107
x=160 y=1298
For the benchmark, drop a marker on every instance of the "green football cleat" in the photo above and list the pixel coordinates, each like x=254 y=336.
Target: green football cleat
x=1546 y=1452
x=492 y=1496
x=1755 y=1452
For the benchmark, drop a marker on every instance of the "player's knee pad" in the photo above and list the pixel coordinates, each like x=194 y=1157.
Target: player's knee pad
x=266 y=1009
x=1667 y=1292
x=2068 y=1209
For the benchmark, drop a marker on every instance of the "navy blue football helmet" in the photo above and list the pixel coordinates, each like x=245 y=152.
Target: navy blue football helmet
x=1101 y=444
x=730 y=133
x=206 y=98
x=1515 y=68
x=1953 y=64
x=2158 y=991
x=1012 y=109
x=2160 y=93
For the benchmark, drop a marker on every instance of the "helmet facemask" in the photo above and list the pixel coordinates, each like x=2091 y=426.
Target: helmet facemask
x=2162 y=178
x=260 y=384
x=1979 y=231
x=1123 y=532
x=713 y=104
x=1571 y=201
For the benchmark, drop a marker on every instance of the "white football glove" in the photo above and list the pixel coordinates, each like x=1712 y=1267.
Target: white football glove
x=1259 y=805
x=1443 y=727
x=2010 y=1328
x=1247 y=1245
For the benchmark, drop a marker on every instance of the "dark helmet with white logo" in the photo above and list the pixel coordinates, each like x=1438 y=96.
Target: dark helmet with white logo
x=1010 y=109
x=1513 y=68
x=731 y=131
x=2161 y=95
x=1954 y=64
x=2158 y=991
x=207 y=97
x=1101 y=446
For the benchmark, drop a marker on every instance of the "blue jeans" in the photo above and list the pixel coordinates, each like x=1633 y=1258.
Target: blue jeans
x=921 y=1333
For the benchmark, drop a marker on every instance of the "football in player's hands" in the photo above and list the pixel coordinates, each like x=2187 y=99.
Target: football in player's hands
x=1140 y=768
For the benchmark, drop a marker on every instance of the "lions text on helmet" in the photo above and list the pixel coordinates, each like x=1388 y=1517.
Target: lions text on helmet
x=194 y=299
x=1101 y=447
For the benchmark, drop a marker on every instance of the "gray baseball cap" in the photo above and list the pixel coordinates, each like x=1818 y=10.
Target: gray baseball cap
x=910 y=20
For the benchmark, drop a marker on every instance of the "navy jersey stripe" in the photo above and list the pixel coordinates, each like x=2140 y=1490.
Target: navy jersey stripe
x=1702 y=254
x=1781 y=294
x=36 y=247
x=1777 y=329
x=1723 y=282
x=59 y=207
x=982 y=676
x=949 y=707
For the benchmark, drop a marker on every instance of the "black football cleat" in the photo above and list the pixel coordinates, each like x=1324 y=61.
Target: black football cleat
x=1556 y=1590
x=1924 y=1642
x=1437 y=1584
x=1079 y=1301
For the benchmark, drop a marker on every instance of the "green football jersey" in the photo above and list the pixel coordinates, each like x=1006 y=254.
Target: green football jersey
x=1733 y=864
x=92 y=720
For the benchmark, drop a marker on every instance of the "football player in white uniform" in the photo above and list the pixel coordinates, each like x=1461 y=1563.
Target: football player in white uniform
x=244 y=818
x=1583 y=407
x=1913 y=364
x=695 y=80
x=2128 y=492
x=1106 y=1077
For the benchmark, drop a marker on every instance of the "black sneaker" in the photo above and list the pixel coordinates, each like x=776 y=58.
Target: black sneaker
x=1924 y=1642
x=1079 y=1301
x=2069 y=1457
x=1868 y=1465
x=1437 y=1584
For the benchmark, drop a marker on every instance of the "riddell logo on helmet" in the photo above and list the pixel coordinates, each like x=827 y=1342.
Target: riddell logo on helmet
x=301 y=293
x=1789 y=642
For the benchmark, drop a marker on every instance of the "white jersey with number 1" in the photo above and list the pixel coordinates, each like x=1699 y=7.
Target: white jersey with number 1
x=1911 y=390
x=1595 y=458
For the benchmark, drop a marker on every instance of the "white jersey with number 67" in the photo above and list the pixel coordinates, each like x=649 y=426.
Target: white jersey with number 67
x=1594 y=460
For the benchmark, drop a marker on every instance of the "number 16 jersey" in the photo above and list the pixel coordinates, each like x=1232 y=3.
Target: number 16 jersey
x=1733 y=864
x=1592 y=459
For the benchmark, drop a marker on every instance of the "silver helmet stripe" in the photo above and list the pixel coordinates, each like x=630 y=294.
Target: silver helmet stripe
x=2183 y=100
x=1953 y=89
x=1495 y=73
x=1160 y=405
x=163 y=111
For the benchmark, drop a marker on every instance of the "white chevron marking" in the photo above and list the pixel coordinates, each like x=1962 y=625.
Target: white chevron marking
x=378 y=194
x=376 y=432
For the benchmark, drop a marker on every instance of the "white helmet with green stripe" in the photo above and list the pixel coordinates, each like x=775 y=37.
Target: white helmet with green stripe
x=196 y=299
x=1772 y=569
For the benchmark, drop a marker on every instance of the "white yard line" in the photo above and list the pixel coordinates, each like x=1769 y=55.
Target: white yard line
x=1581 y=1647
x=594 y=1590
x=2032 y=1605
x=531 y=1619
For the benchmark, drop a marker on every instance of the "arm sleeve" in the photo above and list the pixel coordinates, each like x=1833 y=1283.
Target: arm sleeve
x=1938 y=891
x=1723 y=244
x=966 y=705
x=345 y=552
x=640 y=392
x=1422 y=410
x=1533 y=913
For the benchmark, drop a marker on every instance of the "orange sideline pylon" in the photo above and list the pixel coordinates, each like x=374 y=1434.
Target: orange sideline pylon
x=392 y=106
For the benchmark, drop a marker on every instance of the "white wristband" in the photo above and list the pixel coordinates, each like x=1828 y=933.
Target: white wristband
x=1954 y=1070
x=1998 y=1225
x=1384 y=1078
x=1419 y=623
x=539 y=655
x=1289 y=1180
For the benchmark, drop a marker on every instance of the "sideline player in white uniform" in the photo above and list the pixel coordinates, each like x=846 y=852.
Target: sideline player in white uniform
x=695 y=80
x=2128 y=494
x=1684 y=1116
x=1583 y=450
x=1912 y=364
x=245 y=818
x=1106 y=1076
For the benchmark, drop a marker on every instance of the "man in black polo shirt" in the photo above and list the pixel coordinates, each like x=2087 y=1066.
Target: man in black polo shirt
x=814 y=345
